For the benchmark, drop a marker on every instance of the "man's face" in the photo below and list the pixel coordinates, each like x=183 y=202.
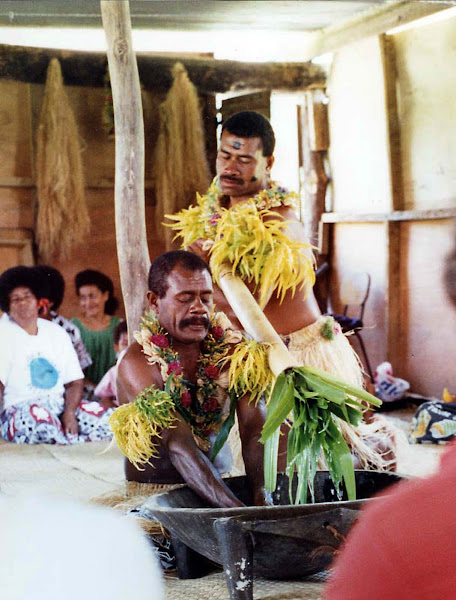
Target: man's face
x=23 y=306
x=241 y=166
x=184 y=312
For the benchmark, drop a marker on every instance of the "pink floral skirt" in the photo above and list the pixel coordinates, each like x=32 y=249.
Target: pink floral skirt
x=37 y=422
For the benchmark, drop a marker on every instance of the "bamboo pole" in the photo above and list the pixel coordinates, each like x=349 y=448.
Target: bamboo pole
x=253 y=319
x=132 y=250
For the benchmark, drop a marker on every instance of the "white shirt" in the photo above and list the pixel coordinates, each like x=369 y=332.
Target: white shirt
x=36 y=366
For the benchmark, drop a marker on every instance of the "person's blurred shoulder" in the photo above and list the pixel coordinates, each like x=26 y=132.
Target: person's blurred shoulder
x=50 y=328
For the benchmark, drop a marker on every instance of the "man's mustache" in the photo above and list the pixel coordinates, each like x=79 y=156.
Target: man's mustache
x=194 y=321
x=232 y=178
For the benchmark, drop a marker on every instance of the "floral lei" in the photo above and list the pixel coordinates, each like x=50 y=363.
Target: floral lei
x=203 y=404
x=201 y=220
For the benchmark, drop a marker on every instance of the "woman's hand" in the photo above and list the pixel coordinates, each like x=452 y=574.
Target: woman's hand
x=69 y=423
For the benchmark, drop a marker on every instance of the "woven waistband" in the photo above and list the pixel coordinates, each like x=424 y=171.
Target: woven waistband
x=135 y=488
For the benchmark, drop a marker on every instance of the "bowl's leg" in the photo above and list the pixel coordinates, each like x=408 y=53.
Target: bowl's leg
x=189 y=563
x=236 y=551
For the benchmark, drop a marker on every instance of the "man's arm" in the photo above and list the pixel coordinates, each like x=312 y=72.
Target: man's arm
x=134 y=374
x=195 y=468
x=73 y=395
x=251 y=419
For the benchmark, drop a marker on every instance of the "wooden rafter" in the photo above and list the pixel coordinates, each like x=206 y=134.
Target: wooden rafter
x=207 y=74
x=375 y=21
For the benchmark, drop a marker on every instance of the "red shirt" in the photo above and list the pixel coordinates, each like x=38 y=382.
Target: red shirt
x=404 y=545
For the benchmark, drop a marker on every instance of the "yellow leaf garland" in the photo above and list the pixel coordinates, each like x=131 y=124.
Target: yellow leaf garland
x=260 y=251
x=137 y=424
x=249 y=371
x=251 y=237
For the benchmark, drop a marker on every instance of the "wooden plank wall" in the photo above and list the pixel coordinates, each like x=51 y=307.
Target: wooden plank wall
x=393 y=149
x=20 y=106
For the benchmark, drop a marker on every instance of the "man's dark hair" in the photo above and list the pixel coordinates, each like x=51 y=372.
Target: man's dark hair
x=102 y=282
x=249 y=124
x=15 y=277
x=162 y=266
x=118 y=330
x=53 y=285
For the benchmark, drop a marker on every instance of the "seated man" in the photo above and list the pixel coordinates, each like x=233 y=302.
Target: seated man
x=177 y=350
x=41 y=380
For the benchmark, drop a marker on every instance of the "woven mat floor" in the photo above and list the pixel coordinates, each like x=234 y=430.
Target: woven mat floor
x=213 y=587
x=81 y=471
x=84 y=471
x=415 y=460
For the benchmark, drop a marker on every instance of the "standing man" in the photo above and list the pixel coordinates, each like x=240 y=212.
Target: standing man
x=244 y=161
x=178 y=350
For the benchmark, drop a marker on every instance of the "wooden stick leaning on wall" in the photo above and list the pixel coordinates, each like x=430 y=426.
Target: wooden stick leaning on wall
x=132 y=250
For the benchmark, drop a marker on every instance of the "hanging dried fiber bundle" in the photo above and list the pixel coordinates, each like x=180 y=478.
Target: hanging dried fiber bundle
x=62 y=219
x=180 y=167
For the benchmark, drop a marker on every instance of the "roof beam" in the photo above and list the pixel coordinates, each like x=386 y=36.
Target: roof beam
x=374 y=21
x=208 y=75
x=197 y=15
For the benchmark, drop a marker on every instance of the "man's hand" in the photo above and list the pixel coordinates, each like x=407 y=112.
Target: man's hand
x=110 y=402
x=69 y=423
x=201 y=248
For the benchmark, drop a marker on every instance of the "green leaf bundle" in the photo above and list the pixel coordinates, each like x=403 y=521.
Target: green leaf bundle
x=313 y=400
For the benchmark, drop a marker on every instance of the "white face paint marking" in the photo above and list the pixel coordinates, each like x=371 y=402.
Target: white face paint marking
x=241 y=585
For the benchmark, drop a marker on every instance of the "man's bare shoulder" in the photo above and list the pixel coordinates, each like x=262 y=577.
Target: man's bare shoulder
x=134 y=374
x=286 y=212
x=293 y=226
x=132 y=356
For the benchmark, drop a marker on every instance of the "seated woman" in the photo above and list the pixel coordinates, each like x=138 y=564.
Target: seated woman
x=41 y=381
x=98 y=304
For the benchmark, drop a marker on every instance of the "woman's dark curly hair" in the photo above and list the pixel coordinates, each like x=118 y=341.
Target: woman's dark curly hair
x=53 y=285
x=102 y=282
x=15 y=277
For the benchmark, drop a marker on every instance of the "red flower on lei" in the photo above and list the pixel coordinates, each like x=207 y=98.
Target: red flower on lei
x=160 y=340
x=218 y=332
x=174 y=368
x=186 y=400
x=210 y=405
x=211 y=371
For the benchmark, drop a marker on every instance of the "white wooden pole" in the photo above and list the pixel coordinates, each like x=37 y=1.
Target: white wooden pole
x=132 y=250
